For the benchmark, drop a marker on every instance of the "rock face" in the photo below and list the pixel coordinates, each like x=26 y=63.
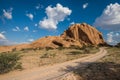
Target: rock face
x=75 y=35
x=84 y=33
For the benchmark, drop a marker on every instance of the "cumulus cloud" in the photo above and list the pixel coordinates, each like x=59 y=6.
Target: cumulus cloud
x=85 y=5
x=26 y=28
x=2 y=36
x=16 y=29
x=110 y=18
x=72 y=23
x=54 y=16
x=30 y=40
x=7 y=13
x=110 y=37
x=113 y=38
x=30 y=16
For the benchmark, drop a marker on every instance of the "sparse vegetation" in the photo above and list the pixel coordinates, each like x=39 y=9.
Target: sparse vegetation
x=9 y=61
x=117 y=45
x=14 y=49
x=75 y=52
x=108 y=68
x=48 y=48
x=48 y=55
x=35 y=57
x=74 y=47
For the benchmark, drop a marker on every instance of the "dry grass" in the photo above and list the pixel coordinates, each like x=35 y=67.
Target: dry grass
x=32 y=58
x=113 y=55
x=108 y=68
x=36 y=58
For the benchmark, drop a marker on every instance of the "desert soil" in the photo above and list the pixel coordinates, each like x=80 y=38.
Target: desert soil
x=53 y=72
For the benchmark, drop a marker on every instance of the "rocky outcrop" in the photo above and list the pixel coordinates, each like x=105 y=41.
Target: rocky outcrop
x=84 y=33
x=75 y=35
x=54 y=42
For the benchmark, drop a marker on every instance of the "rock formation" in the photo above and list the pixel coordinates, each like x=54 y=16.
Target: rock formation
x=84 y=33
x=75 y=35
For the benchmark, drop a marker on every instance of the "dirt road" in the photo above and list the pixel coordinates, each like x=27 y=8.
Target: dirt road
x=55 y=71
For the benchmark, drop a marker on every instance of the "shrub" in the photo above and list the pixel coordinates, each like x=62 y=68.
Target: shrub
x=48 y=48
x=74 y=53
x=52 y=55
x=61 y=48
x=117 y=45
x=86 y=50
x=14 y=49
x=48 y=55
x=9 y=61
x=74 y=47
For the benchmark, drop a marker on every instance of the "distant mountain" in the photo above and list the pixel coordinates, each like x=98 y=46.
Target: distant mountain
x=76 y=35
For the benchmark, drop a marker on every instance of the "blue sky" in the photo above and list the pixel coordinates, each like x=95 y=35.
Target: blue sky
x=23 y=21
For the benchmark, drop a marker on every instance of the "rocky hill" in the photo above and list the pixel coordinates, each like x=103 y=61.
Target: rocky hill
x=84 y=33
x=75 y=35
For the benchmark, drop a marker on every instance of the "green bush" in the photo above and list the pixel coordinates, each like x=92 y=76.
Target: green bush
x=9 y=61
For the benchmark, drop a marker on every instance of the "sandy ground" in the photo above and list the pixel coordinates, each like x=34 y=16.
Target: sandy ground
x=53 y=72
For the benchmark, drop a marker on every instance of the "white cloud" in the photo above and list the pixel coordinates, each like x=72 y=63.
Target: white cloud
x=36 y=25
x=5 y=41
x=85 y=5
x=16 y=29
x=26 y=28
x=54 y=16
x=110 y=37
x=72 y=23
x=110 y=18
x=113 y=38
x=34 y=31
x=117 y=34
x=7 y=13
x=30 y=40
x=2 y=36
x=30 y=16
x=3 y=32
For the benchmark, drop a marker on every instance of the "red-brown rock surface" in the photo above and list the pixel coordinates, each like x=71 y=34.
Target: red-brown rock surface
x=84 y=33
x=75 y=35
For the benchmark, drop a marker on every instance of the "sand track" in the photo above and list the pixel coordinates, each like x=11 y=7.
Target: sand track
x=53 y=72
